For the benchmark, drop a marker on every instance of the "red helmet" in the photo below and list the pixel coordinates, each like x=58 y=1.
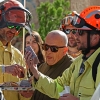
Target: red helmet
x=12 y=3
x=89 y=18
x=13 y=13
x=9 y=4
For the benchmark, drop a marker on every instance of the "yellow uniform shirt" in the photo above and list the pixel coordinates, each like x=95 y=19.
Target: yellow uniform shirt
x=9 y=55
x=82 y=86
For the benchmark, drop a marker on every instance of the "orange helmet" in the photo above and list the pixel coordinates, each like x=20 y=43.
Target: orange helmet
x=89 y=19
x=13 y=13
x=66 y=23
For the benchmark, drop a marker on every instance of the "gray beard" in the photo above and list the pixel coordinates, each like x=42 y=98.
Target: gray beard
x=2 y=38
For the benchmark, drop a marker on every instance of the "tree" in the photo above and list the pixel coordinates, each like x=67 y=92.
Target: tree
x=51 y=14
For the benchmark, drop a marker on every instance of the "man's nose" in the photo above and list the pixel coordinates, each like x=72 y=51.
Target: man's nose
x=31 y=45
x=76 y=34
x=70 y=34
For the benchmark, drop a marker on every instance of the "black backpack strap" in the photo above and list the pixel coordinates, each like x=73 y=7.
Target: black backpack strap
x=95 y=66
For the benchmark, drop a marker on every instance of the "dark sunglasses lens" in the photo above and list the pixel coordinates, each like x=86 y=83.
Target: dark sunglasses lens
x=18 y=28
x=67 y=31
x=10 y=27
x=74 y=31
x=80 y=32
x=54 y=48
x=45 y=47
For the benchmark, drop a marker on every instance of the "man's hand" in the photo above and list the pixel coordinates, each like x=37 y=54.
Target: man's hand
x=31 y=65
x=68 y=96
x=28 y=93
x=15 y=70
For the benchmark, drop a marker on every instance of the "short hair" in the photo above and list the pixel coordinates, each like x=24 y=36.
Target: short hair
x=62 y=34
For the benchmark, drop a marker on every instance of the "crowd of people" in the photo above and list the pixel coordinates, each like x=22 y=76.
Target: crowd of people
x=69 y=56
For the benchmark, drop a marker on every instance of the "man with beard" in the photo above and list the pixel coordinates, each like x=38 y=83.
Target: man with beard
x=83 y=76
x=12 y=19
x=69 y=30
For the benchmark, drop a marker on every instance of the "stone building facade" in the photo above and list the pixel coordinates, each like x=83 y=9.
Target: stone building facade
x=79 y=5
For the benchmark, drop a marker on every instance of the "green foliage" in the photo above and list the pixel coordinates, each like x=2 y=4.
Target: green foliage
x=51 y=14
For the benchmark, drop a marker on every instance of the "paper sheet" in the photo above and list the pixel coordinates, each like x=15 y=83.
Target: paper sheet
x=96 y=95
x=67 y=90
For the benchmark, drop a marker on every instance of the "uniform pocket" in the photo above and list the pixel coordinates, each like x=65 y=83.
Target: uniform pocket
x=86 y=88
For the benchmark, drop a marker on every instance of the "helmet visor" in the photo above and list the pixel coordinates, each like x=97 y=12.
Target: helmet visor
x=67 y=20
x=17 y=16
x=80 y=23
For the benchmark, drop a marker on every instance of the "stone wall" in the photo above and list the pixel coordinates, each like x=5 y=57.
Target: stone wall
x=79 y=5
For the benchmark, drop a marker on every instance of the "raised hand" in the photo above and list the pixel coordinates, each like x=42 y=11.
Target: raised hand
x=31 y=64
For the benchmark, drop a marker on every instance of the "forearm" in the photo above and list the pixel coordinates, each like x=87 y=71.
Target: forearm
x=36 y=75
x=44 y=83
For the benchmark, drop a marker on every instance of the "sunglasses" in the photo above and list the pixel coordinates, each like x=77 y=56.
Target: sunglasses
x=67 y=31
x=74 y=31
x=80 y=32
x=52 y=48
x=16 y=27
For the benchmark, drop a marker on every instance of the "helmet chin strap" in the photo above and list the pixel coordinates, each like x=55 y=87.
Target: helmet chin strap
x=87 y=50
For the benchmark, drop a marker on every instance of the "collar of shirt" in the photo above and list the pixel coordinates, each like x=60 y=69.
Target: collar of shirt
x=7 y=48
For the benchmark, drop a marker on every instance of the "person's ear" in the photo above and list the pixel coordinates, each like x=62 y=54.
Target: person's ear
x=65 y=50
x=95 y=39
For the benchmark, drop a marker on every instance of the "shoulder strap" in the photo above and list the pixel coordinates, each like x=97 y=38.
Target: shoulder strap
x=95 y=66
